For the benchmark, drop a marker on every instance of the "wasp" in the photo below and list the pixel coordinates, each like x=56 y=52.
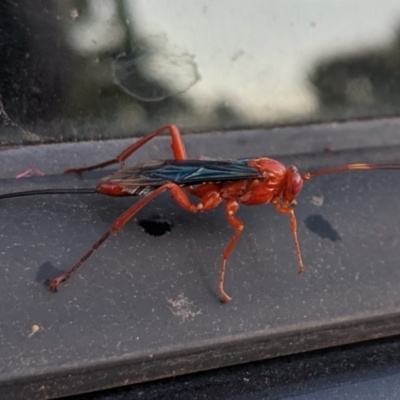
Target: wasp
x=247 y=181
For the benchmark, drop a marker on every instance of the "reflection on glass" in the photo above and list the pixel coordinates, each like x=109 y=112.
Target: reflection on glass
x=155 y=71
x=83 y=69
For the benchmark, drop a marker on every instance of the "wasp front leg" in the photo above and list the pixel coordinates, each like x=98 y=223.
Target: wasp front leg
x=293 y=228
x=231 y=208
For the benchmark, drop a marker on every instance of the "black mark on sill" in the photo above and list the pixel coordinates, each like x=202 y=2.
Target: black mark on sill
x=156 y=225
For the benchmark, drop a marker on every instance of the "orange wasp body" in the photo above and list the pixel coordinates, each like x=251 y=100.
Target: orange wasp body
x=246 y=181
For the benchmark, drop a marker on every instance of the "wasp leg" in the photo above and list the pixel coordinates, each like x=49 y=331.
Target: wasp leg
x=177 y=145
x=207 y=202
x=293 y=228
x=231 y=208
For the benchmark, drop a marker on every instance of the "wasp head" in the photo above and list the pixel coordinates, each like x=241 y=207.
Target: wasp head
x=294 y=183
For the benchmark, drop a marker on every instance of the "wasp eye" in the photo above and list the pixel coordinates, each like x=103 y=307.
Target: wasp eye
x=297 y=182
x=294 y=184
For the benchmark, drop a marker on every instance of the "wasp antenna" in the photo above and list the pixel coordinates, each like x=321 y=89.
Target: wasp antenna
x=349 y=167
x=47 y=191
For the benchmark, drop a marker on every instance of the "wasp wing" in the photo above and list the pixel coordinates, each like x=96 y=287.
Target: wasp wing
x=145 y=177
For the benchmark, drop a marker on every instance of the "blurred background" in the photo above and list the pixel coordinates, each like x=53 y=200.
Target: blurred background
x=93 y=69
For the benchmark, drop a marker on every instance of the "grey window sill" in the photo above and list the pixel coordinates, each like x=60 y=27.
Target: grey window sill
x=145 y=307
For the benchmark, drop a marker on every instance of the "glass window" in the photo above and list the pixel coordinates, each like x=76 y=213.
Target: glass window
x=74 y=70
